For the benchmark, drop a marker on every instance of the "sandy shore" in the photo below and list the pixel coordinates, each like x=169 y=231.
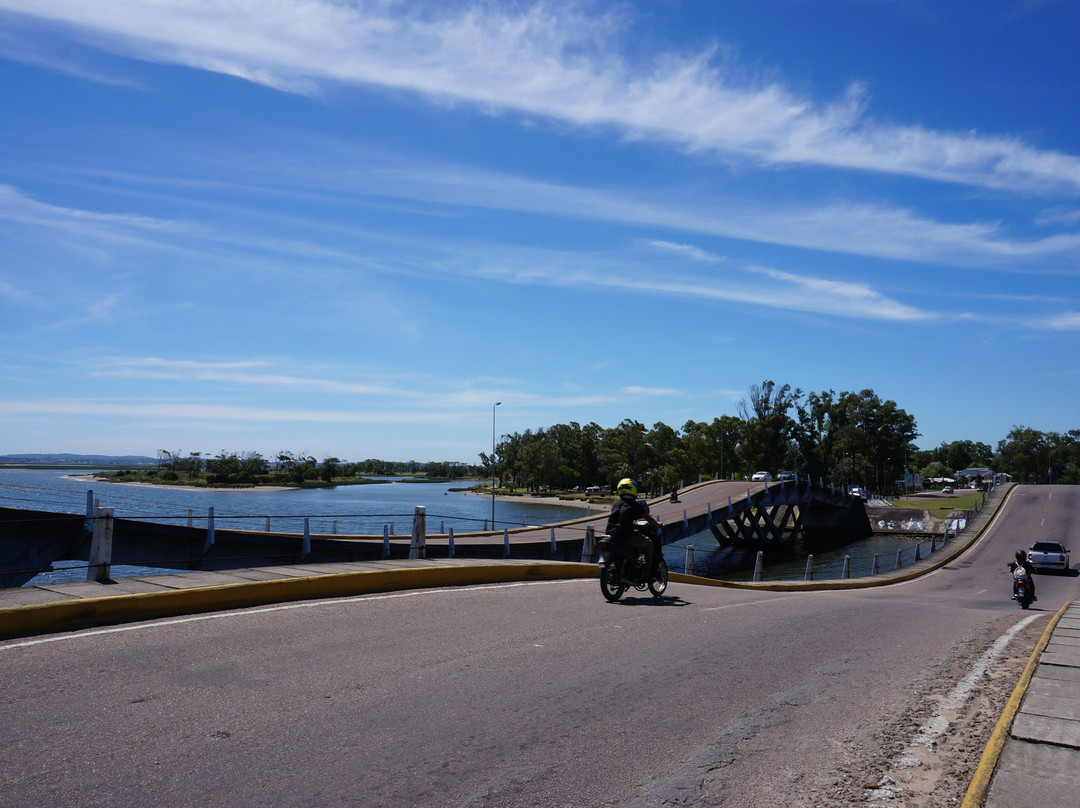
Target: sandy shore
x=568 y=503
x=246 y=490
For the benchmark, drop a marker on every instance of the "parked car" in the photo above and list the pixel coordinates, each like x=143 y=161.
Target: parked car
x=761 y=477
x=861 y=493
x=787 y=476
x=947 y=489
x=1048 y=555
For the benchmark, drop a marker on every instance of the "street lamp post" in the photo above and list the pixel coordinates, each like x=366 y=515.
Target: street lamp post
x=493 y=406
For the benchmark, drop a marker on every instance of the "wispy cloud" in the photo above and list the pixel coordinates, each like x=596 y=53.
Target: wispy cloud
x=553 y=60
x=853 y=228
x=1068 y=321
x=411 y=392
x=723 y=280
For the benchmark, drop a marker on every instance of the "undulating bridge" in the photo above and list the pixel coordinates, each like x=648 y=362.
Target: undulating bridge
x=777 y=518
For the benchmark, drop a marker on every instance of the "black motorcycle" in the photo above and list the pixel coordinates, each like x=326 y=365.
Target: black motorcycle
x=622 y=565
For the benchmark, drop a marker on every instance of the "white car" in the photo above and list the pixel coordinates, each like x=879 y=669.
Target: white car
x=761 y=477
x=1049 y=555
x=861 y=493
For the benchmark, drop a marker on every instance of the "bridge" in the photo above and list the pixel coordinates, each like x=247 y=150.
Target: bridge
x=777 y=518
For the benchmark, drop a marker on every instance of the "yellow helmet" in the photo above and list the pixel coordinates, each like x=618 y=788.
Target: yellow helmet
x=627 y=486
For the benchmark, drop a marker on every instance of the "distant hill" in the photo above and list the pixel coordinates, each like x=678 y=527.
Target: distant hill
x=65 y=459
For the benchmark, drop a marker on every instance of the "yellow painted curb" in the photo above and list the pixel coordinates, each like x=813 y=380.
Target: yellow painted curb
x=68 y=615
x=980 y=781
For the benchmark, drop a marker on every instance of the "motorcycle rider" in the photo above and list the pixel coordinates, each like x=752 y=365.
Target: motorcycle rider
x=620 y=525
x=1022 y=562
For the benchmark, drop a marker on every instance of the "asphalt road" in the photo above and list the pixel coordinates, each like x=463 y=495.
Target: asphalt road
x=538 y=694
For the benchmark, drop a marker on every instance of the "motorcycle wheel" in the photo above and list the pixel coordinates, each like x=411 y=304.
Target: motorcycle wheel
x=609 y=585
x=659 y=584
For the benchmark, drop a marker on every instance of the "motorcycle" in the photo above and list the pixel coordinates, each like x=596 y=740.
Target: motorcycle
x=624 y=565
x=1021 y=585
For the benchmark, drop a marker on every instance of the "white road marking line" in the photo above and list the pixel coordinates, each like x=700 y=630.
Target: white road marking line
x=264 y=609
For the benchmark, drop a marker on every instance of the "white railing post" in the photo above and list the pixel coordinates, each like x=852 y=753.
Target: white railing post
x=588 y=547
x=209 y=530
x=759 y=565
x=689 y=566
x=418 y=546
x=101 y=545
x=874 y=568
x=809 y=575
x=847 y=567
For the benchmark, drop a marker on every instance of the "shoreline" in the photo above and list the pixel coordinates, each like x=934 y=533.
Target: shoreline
x=245 y=490
x=570 y=503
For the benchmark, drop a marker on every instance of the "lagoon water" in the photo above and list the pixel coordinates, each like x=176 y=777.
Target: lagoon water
x=357 y=509
x=365 y=509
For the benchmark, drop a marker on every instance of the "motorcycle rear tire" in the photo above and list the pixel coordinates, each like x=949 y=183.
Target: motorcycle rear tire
x=610 y=585
x=659 y=584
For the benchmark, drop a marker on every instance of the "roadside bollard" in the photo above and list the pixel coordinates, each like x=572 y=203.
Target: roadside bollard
x=305 y=543
x=874 y=567
x=899 y=559
x=809 y=576
x=450 y=543
x=506 y=542
x=554 y=546
x=386 y=541
x=758 y=565
x=847 y=567
x=689 y=559
x=918 y=551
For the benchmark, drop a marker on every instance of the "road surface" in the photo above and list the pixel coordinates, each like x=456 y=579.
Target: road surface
x=539 y=694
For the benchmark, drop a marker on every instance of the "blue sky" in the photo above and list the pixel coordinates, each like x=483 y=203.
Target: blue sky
x=349 y=228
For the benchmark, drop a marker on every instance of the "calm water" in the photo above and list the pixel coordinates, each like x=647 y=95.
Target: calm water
x=365 y=509
x=357 y=509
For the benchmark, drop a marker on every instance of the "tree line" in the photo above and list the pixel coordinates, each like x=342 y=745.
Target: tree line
x=843 y=438
x=293 y=468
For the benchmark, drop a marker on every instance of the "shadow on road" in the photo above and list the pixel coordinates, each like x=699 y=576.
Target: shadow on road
x=649 y=600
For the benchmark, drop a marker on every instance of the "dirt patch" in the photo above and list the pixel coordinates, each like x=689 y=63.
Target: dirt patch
x=891 y=767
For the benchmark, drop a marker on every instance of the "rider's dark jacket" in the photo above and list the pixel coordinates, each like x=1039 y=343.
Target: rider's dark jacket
x=620 y=524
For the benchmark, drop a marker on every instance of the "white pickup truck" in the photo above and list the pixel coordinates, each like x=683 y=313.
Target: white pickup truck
x=1048 y=555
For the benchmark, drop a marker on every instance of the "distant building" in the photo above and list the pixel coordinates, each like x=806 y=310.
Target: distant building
x=986 y=475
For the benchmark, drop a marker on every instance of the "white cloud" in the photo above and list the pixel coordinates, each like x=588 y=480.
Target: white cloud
x=1067 y=321
x=551 y=60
